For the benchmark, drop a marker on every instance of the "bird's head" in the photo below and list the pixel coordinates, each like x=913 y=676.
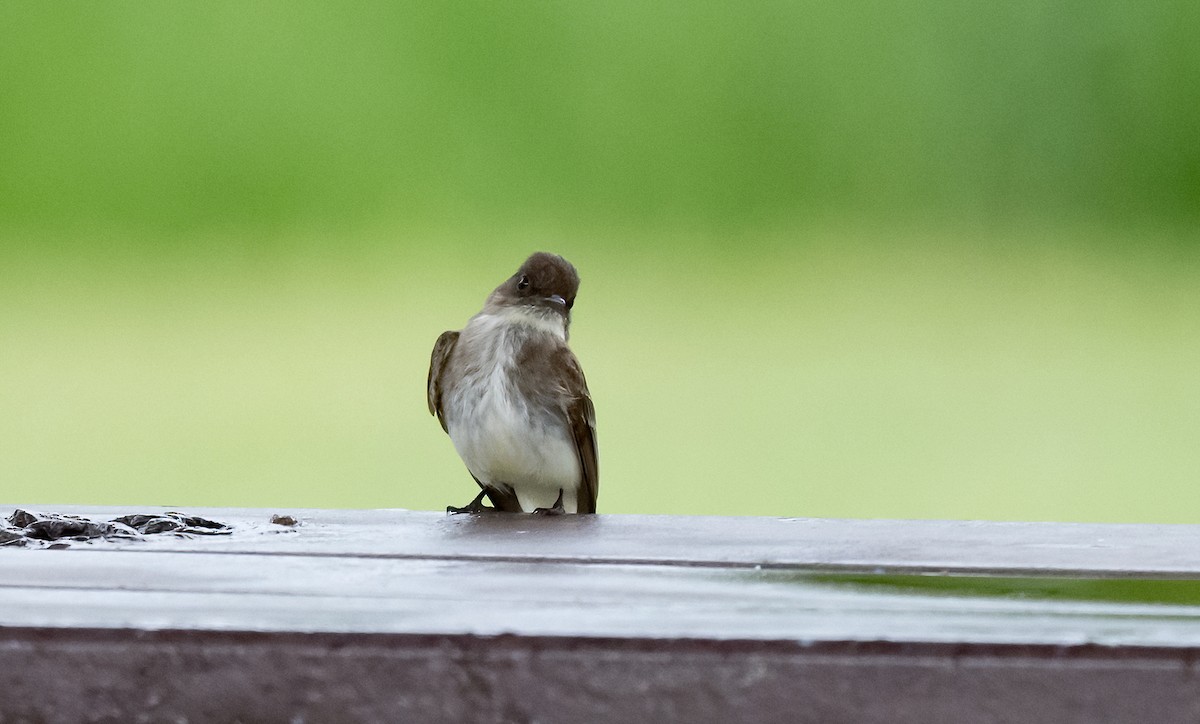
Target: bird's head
x=544 y=286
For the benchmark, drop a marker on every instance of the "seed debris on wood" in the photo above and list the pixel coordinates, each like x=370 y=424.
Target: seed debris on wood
x=24 y=527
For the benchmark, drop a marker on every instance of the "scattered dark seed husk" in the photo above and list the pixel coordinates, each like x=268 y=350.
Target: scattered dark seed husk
x=135 y=521
x=120 y=530
x=174 y=523
x=284 y=520
x=11 y=538
x=56 y=528
x=27 y=526
x=160 y=525
x=21 y=518
x=193 y=521
x=191 y=530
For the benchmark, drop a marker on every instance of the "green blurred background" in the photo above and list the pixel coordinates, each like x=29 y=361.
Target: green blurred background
x=866 y=259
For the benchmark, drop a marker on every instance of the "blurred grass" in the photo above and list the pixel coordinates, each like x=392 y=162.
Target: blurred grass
x=825 y=374
x=933 y=260
x=225 y=114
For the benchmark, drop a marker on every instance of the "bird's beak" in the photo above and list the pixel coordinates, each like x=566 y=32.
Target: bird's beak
x=557 y=300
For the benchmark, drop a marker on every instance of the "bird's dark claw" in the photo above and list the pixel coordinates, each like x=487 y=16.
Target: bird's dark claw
x=475 y=507
x=557 y=509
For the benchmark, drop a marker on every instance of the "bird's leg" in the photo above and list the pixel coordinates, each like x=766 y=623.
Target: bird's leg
x=475 y=507
x=556 y=510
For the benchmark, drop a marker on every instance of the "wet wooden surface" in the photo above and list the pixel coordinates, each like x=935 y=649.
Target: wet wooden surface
x=521 y=618
x=798 y=543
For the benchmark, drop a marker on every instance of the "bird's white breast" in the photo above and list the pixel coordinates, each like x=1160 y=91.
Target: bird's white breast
x=498 y=436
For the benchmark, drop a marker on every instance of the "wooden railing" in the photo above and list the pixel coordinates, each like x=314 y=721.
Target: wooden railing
x=412 y=616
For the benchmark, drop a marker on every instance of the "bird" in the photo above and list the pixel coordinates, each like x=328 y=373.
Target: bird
x=513 y=398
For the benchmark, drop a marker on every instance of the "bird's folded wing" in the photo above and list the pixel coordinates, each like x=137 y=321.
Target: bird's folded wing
x=437 y=365
x=581 y=415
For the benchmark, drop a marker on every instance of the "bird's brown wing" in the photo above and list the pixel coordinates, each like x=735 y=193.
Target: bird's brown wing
x=581 y=416
x=437 y=365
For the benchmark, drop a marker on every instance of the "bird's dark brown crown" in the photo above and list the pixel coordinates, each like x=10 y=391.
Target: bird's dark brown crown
x=541 y=276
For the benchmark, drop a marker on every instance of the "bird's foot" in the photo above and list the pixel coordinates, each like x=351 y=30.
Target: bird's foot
x=557 y=509
x=475 y=507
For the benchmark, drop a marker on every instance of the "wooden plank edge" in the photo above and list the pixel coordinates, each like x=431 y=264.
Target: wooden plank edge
x=56 y=674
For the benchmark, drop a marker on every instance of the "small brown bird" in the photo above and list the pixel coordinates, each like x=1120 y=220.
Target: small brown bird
x=513 y=398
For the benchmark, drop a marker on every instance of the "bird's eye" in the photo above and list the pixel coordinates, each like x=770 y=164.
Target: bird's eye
x=523 y=282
